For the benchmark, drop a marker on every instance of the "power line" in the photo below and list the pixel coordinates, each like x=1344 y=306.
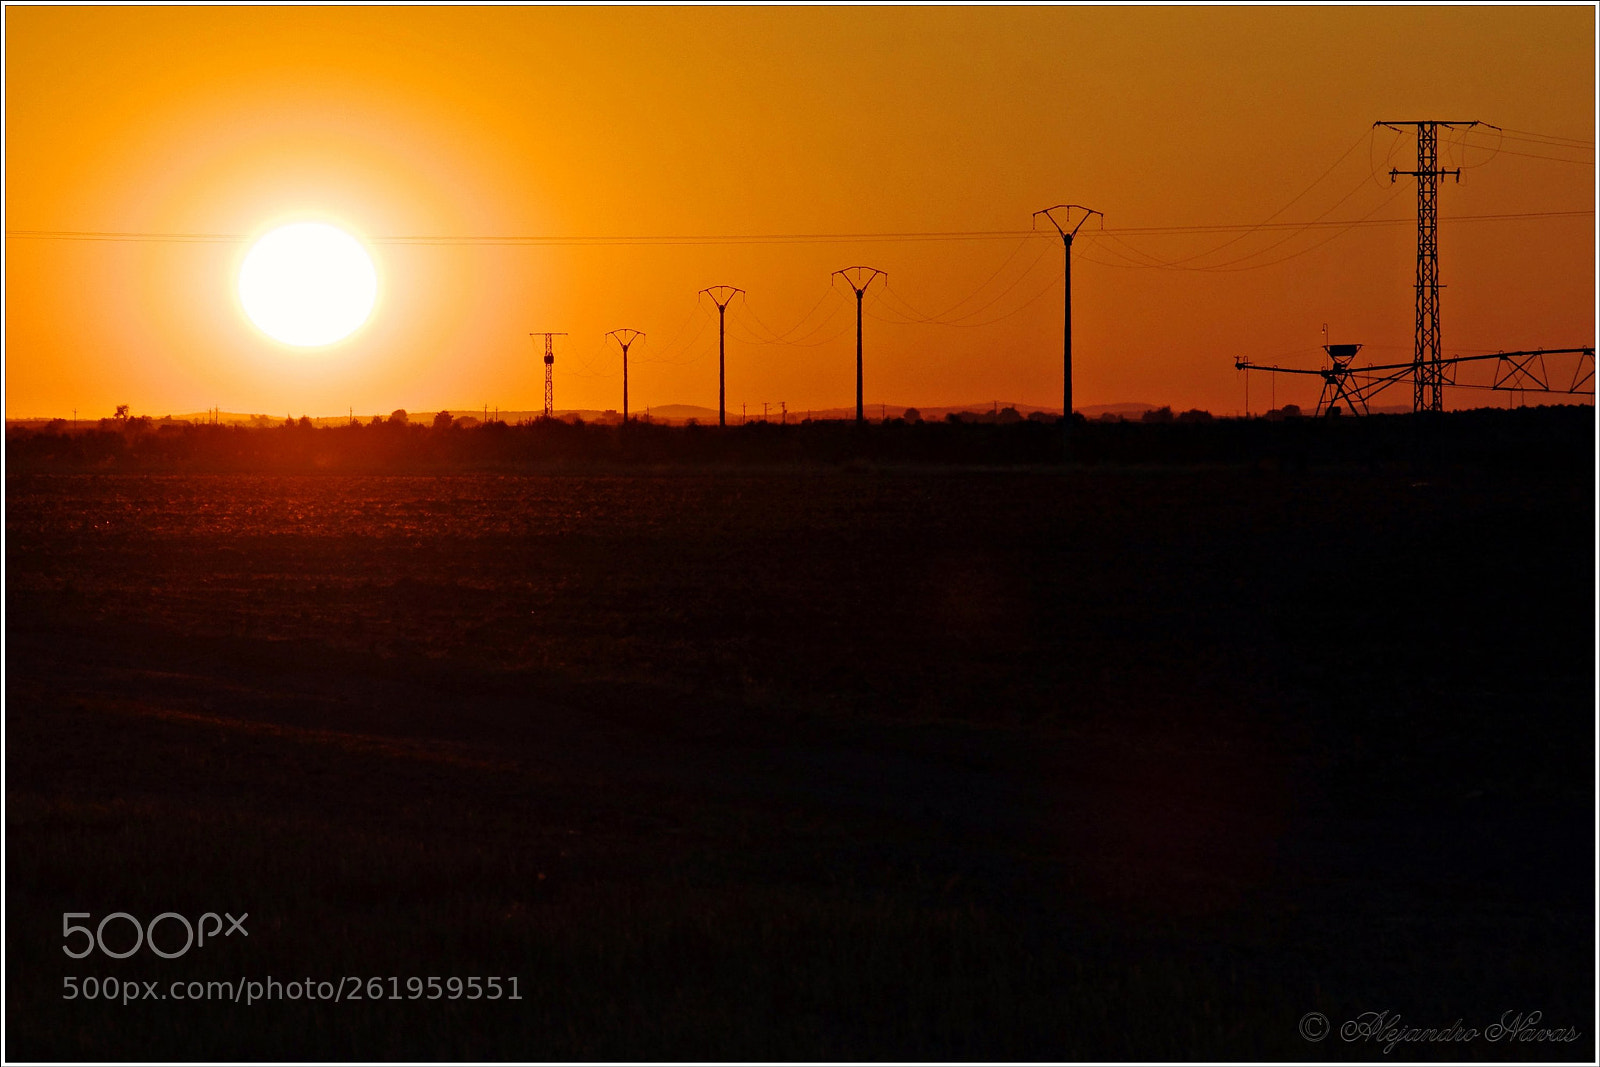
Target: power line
x=1290 y=235
x=1050 y=282
x=916 y=314
x=1366 y=137
x=1233 y=265
x=1550 y=138
x=944 y=319
x=779 y=238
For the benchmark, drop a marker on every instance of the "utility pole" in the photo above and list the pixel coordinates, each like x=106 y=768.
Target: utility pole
x=1427 y=365
x=549 y=372
x=722 y=296
x=858 y=278
x=1066 y=332
x=625 y=338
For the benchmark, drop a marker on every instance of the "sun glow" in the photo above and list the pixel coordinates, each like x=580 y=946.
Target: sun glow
x=308 y=284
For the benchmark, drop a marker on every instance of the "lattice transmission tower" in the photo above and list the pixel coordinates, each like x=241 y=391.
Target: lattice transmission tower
x=1427 y=362
x=549 y=372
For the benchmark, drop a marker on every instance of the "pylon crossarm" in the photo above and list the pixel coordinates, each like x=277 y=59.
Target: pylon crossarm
x=1067 y=235
x=1395 y=124
x=715 y=293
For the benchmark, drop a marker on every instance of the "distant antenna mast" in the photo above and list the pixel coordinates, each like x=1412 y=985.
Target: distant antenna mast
x=858 y=278
x=1427 y=364
x=625 y=338
x=722 y=296
x=549 y=372
x=1067 y=234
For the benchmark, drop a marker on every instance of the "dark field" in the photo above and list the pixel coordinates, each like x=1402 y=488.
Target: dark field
x=810 y=762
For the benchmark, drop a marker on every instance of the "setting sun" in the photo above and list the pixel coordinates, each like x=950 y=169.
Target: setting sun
x=308 y=284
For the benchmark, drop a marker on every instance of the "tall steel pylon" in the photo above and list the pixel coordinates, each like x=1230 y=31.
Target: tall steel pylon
x=853 y=277
x=1066 y=331
x=1427 y=360
x=549 y=371
x=722 y=296
x=625 y=338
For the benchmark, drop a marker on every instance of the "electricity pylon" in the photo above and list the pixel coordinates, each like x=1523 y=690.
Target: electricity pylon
x=1066 y=332
x=549 y=371
x=853 y=277
x=625 y=338
x=1427 y=390
x=722 y=296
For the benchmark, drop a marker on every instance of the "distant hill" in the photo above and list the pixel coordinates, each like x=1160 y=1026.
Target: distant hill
x=672 y=414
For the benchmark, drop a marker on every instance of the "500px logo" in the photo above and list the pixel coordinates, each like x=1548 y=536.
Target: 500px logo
x=145 y=934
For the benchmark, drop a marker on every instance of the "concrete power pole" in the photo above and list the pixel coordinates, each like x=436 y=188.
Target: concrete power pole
x=625 y=338
x=722 y=296
x=859 y=278
x=1067 y=234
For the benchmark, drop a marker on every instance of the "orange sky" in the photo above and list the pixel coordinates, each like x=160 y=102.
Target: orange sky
x=598 y=122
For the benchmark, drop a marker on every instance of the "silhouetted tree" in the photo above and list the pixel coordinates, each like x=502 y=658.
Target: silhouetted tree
x=122 y=413
x=1161 y=414
x=443 y=421
x=398 y=417
x=912 y=415
x=1195 y=415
